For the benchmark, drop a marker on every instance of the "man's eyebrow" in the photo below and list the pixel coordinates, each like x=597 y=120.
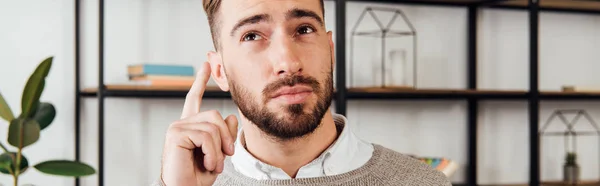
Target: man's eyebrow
x=250 y=20
x=297 y=13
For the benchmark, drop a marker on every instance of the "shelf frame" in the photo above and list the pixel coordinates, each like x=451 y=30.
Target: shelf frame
x=78 y=96
x=534 y=93
x=542 y=8
x=128 y=91
x=101 y=93
x=472 y=103
x=344 y=94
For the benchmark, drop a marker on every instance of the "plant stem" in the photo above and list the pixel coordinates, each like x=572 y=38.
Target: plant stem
x=3 y=148
x=16 y=178
x=10 y=171
x=18 y=164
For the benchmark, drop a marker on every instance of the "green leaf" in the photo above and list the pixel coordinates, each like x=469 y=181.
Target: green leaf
x=34 y=88
x=45 y=114
x=7 y=159
x=5 y=162
x=5 y=111
x=65 y=168
x=23 y=132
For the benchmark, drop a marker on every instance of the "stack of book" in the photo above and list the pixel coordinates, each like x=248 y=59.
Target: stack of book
x=586 y=89
x=446 y=166
x=161 y=75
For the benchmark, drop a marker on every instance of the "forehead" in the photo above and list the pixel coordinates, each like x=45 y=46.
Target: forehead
x=234 y=10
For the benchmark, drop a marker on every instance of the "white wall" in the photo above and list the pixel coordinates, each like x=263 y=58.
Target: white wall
x=30 y=32
x=177 y=32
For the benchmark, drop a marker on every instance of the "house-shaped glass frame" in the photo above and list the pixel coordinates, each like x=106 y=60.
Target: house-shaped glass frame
x=383 y=32
x=571 y=132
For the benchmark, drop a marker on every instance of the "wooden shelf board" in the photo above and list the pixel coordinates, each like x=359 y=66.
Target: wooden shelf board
x=434 y=91
x=566 y=95
x=428 y=94
x=447 y=1
x=451 y=1
x=140 y=88
x=353 y=93
x=549 y=183
x=152 y=91
x=582 y=183
x=569 y=93
x=427 y=2
x=558 y=4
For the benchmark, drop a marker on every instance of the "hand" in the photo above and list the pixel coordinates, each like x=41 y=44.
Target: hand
x=196 y=145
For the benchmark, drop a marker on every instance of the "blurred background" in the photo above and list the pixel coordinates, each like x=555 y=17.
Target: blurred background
x=469 y=81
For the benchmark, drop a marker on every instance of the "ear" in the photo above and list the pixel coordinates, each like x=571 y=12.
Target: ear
x=218 y=70
x=331 y=48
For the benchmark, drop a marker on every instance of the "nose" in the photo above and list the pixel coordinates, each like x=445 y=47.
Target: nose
x=285 y=56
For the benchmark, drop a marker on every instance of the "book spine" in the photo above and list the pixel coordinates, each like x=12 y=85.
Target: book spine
x=164 y=82
x=166 y=70
x=161 y=77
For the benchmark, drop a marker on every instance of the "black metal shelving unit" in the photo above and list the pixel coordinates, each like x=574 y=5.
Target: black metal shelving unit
x=471 y=94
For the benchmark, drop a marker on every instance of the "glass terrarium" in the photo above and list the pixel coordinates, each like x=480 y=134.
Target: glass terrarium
x=383 y=50
x=563 y=162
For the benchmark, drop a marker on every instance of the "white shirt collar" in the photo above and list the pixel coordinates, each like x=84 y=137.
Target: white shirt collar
x=347 y=153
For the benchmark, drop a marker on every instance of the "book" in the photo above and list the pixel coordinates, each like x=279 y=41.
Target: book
x=571 y=88
x=160 y=77
x=166 y=83
x=444 y=165
x=158 y=69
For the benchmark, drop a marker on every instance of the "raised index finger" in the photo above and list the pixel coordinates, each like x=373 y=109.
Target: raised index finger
x=193 y=99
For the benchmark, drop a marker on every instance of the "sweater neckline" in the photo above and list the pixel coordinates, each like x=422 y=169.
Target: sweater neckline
x=344 y=177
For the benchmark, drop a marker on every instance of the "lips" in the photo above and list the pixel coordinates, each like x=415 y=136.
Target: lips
x=288 y=91
x=292 y=95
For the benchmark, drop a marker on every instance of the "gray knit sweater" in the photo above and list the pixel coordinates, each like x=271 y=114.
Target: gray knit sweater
x=386 y=167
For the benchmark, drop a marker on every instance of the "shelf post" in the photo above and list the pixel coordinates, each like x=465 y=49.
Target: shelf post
x=534 y=151
x=340 y=57
x=472 y=102
x=101 y=91
x=77 y=86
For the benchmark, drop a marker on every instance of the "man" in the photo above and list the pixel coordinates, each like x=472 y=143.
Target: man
x=276 y=59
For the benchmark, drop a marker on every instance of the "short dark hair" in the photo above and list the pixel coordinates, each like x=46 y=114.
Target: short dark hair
x=211 y=7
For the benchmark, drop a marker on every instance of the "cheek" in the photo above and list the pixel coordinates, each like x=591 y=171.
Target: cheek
x=317 y=60
x=249 y=78
x=251 y=64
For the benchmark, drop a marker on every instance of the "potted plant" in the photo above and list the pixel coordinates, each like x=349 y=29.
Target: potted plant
x=24 y=130
x=570 y=168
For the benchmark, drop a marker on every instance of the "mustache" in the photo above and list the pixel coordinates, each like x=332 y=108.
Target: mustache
x=291 y=81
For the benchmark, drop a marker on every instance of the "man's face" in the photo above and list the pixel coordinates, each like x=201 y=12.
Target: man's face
x=278 y=60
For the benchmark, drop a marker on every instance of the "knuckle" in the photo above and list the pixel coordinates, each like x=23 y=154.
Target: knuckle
x=174 y=128
x=205 y=136
x=214 y=113
x=174 y=133
x=212 y=129
x=221 y=158
x=175 y=123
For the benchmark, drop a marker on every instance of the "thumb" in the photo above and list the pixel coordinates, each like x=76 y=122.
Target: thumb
x=232 y=125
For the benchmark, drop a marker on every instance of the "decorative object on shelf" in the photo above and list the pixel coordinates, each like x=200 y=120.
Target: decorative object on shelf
x=588 y=89
x=391 y=45
x=571 y=170
x=25 y=129
x=444 y=165
x=161 y=75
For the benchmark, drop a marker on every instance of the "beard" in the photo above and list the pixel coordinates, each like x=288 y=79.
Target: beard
x=290 y=121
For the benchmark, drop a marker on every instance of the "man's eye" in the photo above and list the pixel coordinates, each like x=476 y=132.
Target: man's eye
x=305 y=30
x=252 y=37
